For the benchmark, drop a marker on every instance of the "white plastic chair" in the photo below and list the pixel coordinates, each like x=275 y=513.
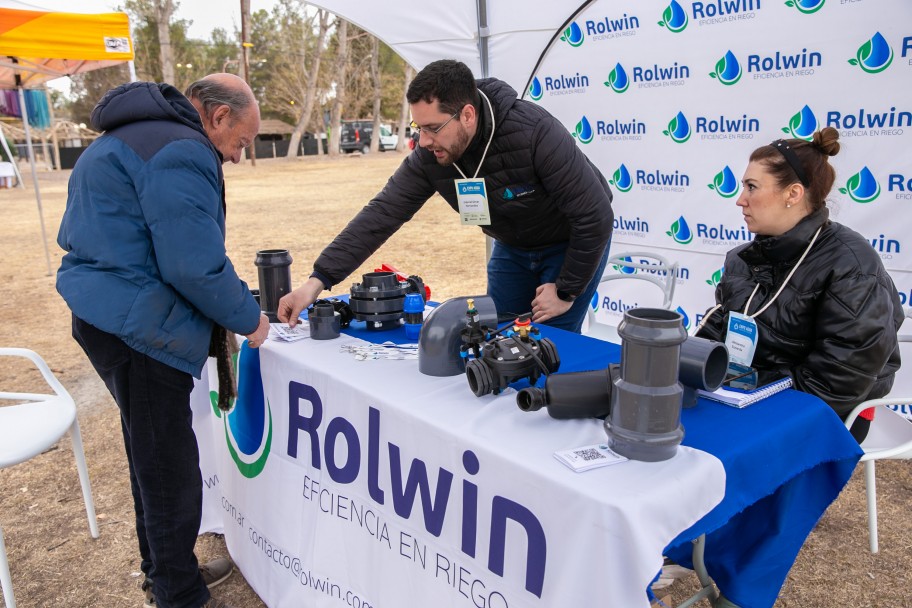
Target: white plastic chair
x=30 y=427
x=662 y=274
x=890 y=436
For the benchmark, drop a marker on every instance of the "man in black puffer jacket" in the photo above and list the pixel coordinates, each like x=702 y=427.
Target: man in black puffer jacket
x=547 y=207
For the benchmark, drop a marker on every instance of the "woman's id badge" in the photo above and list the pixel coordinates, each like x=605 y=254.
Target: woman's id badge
x=472 y=197
x=741 y=338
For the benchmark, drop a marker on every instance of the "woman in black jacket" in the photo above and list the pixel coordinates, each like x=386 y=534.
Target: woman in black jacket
x=826 y=310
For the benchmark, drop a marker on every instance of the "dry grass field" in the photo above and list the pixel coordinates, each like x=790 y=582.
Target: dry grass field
x=300 y=205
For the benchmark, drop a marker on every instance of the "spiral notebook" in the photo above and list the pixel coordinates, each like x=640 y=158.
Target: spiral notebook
x=736 y=398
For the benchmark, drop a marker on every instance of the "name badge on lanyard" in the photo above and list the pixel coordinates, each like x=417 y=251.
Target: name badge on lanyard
x=472 y=197
x=741 y=338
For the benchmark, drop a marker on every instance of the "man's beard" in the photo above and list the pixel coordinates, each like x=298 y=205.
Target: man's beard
x=454 y=152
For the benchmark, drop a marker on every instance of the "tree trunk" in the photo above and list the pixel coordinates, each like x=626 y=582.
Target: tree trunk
x=402 y=143
x=339 y=71
x=163 y=11
x=245 y=64
x=375 y=79
x=310 y=95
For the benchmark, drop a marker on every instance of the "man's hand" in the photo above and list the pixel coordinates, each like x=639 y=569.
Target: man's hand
x=256 y=339
x=291 y=304
x=546 y=304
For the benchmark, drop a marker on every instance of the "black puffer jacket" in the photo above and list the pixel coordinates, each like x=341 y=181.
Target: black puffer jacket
x=833 y=328
x=542 y=190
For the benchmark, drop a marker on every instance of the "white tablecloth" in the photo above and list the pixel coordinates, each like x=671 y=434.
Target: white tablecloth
x=387 y=488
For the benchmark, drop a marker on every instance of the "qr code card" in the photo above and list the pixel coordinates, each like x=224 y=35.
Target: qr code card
x=589 y=457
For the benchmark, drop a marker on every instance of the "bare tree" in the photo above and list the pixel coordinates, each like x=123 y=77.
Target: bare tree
x=339 y=71
x=311 y=78
x=164 y=9
x=404 y=114
x=378 y=91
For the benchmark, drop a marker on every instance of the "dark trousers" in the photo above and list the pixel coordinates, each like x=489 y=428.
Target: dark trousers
x=154 y=402
x=514 y=275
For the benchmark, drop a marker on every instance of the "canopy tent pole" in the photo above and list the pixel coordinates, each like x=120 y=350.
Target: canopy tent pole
x=484 y=32
x=31 y=157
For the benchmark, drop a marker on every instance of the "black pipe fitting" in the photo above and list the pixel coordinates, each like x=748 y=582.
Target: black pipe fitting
x=572 y=395
x=325 y=323
x=274 y=274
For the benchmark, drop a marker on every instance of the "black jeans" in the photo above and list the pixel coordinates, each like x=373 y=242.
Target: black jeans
x=154 y=402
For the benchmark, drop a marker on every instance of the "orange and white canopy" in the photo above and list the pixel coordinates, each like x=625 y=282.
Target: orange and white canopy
x=41 y=45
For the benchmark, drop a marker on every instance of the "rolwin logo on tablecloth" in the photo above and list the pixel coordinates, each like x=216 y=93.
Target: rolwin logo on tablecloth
x=728 y=70
x=621 y=179
x=573 y=35
x=535 y=89
x=873 y=56
x=725 y=184
x=678 y=129
x=802 y=125
x=583 y=131
x=680 y=232
x=806 y=6
x=248 y=434
x=674 y=18
x=618 y=80
x=862 y=187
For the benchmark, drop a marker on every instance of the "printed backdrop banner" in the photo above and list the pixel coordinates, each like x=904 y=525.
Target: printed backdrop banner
x=670 y=98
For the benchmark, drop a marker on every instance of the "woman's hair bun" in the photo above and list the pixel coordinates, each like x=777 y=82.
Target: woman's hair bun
x=827 y=141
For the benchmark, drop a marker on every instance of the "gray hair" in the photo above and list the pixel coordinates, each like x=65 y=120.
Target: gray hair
x=211 y=94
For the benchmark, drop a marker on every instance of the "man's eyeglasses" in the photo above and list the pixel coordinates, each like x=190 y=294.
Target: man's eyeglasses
x=430 y=131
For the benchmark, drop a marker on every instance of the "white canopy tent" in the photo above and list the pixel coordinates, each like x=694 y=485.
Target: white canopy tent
x=502 y=38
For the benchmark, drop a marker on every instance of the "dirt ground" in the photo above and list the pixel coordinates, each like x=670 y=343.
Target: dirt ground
x=300 y=205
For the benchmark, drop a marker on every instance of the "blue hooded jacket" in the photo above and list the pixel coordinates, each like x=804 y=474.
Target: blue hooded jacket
x=144 y=230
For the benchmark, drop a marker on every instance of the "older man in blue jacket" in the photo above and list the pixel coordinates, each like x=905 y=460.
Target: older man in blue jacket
x=150 y=286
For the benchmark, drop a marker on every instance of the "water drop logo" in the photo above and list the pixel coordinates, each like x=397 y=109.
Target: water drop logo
x=716 y=277
x=802 y=125
x=624 y=269
x=684 y=318
x=680 y=232
x=573 y=35
x=621 y=179
x=806 y=6
x=674 y=18
x=873 y=56
x=535 y=89
x=725 y=183
x=594 y=302
x=862 y=187
x=678 y=129
x=728 y=70
x=583 y=131
x=618 y=80
x=248 y=425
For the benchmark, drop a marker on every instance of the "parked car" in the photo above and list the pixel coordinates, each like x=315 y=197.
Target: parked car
x=356 y=136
